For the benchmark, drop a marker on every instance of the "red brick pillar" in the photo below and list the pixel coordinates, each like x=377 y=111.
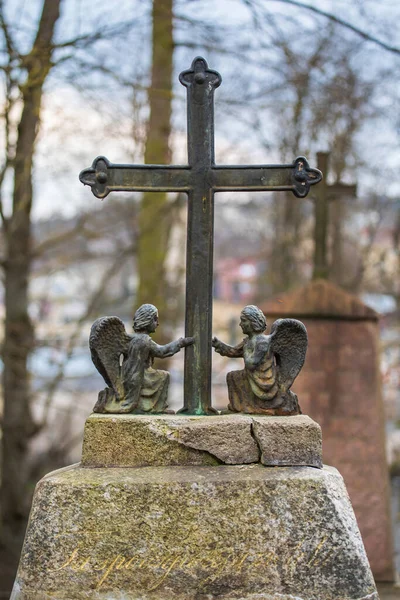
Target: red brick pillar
x=340 y=387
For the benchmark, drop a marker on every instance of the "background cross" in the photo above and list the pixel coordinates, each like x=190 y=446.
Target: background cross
x=323 y=195
x=200 y=179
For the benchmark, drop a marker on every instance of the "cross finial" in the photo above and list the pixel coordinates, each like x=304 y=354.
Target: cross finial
x=200 y=74
x=96 y=177
x=304 y=177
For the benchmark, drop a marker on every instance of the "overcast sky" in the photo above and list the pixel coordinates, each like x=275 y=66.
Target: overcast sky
x=78 y=124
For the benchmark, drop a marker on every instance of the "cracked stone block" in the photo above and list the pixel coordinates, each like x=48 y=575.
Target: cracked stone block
x=207 y=533
x=229 y=439
x=288 y=441
x=168 y=440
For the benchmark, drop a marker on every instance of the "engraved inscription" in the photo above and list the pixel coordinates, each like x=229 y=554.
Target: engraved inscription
x=211 y=565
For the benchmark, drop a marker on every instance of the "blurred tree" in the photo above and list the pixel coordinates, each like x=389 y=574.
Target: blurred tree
x=303 y=79
x=322 y=76
x=24 y=74
x=349 y=96
x=155 y=210
x=343 y=23
x=18 y=425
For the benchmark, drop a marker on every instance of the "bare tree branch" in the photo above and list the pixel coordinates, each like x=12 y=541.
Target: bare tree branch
x=82 y=41
x=366 y=36
x=61 y=238
x=11 y=51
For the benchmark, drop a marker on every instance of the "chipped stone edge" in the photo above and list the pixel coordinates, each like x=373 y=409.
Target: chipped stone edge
x=170 y=429
x=318 y=464
x=173 y=435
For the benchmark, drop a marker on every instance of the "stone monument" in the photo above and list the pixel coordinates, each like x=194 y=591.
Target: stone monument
x=196 y=505
x=340 y=387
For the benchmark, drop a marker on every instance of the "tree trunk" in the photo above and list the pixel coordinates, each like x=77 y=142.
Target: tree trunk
x=154 y=221
x=18 y=423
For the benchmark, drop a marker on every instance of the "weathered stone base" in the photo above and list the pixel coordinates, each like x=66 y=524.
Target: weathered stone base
x=198 y=533
x=169 y=440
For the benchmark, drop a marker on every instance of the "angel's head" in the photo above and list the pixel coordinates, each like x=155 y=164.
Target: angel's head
x=252 y=320
x=145 y=319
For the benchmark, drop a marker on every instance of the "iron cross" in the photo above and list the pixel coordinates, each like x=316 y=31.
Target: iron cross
x=200 y=179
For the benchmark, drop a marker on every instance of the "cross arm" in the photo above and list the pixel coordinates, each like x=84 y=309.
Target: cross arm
x=296 y=177
x=104 y=177
x=342 y=190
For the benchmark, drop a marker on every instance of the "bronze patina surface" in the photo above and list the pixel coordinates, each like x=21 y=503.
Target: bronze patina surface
x=200 y=179
x=125 y=362
x=271 y=364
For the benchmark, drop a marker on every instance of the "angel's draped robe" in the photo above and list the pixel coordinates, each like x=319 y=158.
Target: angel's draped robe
x=255 y=389
x=146 y=389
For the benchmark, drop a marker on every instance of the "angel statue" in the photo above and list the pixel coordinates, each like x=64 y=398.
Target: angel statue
x=271 y=364
x=125 y=362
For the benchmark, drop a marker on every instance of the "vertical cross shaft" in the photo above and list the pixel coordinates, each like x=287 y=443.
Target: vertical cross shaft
x=200 y=83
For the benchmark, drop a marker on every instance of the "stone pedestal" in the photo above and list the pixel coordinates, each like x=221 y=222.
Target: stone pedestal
x=192 y=531
x=167 y=440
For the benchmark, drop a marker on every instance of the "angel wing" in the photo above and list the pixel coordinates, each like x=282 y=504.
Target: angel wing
x=289 y=343
x=107 y=341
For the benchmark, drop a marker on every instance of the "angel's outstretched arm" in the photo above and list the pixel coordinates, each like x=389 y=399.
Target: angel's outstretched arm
x=226 y=350
x=169 y=349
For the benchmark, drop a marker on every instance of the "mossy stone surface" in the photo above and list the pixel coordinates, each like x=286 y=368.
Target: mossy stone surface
x=136 y=441
x=172 y=440
x=199 y=533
